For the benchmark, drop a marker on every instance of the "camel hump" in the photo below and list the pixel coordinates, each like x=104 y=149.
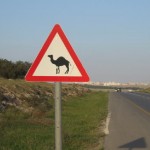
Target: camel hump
x=62 y=59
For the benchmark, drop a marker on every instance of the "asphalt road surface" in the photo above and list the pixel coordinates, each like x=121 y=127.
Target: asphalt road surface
x=129 y=125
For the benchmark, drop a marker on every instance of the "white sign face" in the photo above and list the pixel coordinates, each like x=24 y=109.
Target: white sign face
x=57 y=61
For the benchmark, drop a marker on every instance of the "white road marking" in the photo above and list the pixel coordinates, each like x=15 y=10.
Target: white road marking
x=106 y=130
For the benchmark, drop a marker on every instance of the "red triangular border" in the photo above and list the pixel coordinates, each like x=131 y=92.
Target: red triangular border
x=84 y=76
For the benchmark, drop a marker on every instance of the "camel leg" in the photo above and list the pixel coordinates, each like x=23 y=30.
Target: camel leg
x=58 y=70
x=67 y=69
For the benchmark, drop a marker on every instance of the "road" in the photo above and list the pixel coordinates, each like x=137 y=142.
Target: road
x=129 y=125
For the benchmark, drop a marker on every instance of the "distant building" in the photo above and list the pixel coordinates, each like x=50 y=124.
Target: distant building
x=112 y=84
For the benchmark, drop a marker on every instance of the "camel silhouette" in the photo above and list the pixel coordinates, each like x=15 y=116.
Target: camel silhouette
x=61 y=61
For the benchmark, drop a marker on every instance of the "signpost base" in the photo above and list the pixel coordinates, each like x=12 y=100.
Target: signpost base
x=58 y=120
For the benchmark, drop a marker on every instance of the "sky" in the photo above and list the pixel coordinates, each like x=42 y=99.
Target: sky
x=110 y=37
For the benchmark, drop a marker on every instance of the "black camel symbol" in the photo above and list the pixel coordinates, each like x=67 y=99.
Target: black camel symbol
x=61 y=61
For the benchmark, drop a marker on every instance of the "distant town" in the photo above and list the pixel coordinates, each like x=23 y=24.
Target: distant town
x=117 y=84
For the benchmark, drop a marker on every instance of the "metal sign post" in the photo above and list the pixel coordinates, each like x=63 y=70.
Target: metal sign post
x=58 y=120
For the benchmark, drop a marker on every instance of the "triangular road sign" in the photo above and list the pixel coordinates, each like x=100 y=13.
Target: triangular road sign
x=57 y=61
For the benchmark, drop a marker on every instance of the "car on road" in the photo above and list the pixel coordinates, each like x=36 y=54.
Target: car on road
x=118 y=90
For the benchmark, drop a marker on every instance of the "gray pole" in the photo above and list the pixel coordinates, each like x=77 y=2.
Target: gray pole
x=58 y=120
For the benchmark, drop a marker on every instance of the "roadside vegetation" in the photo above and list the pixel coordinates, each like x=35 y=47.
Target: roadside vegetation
x=13 y=70
x=147 y=90
x=27 y=116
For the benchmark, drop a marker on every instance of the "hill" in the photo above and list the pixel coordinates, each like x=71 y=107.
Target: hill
x=27 y=97
x=27 y=116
